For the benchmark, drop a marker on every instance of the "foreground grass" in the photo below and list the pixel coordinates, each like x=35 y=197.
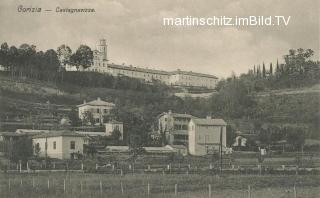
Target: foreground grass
x=107 y=185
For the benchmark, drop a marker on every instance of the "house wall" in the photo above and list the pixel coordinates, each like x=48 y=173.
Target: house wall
x=193 y=80
x=51 y=152
x=62 y=150
x=79 y=142
x=204 y=139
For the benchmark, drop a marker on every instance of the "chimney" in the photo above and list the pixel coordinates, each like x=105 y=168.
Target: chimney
x=208 y=117
x=84 y=102
x=169 y=111
x=98 y=99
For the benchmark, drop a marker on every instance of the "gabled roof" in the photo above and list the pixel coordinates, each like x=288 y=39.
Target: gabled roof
x=97 y=102
x=209 y=122
x=58 y=134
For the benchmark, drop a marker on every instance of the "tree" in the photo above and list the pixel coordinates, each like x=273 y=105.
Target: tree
x=64 y=53
x=263 y=70
x=51 y=62
x=271 y=70
x=73 y=116
x=116 y=135
x=4 y=55
x=37 y=150
x=296 y=137
x=83 y=57
x=22 y=149
x=88 y=118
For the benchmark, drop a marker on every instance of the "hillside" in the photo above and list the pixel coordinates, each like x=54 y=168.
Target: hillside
x=24 y=102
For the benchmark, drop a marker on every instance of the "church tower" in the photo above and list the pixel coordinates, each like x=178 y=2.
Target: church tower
x=102 y=48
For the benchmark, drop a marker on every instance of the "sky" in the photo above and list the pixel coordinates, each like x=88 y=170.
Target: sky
x=136 y=35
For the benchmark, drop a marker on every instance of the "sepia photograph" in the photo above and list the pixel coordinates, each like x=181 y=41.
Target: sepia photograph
x=159 y=99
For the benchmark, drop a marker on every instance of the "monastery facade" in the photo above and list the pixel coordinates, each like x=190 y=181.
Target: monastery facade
x=174 y=78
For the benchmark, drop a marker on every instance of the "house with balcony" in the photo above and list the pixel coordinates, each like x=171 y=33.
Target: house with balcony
x=174 y=127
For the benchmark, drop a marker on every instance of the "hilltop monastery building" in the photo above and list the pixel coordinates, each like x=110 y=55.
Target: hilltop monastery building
x=174 y=78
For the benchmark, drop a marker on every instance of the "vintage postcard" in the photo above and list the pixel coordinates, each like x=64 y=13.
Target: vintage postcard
x=170 y=98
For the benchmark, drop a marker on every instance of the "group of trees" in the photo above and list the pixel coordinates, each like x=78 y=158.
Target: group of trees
x=298 y=70
x=26 y=61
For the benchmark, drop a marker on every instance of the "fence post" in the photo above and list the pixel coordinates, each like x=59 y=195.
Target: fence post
x=121 y=188
x=249 y=191
x=209 y=186
x=294 y=191
x=33 y=182
x=121 y=172
x=48 y=184
x=175 y=190
x=64 y=185
x=54 y=165
x=100 y=186
x=82 y=166
x=260 y=171
x=297 y=170
x=9 y=184
x=80 y=185
x=20 y=168
x=148 y=189
x=21 y=182
x=28 y=166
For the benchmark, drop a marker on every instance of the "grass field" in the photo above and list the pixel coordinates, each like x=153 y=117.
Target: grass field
x=155 y=185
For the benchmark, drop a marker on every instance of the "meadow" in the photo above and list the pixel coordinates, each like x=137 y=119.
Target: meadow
x=69 y=184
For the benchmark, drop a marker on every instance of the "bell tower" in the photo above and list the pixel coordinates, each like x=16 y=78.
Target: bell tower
x=102 y=48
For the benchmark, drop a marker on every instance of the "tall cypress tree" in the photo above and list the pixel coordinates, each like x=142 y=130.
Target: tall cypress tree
x=258 y=71
x=271 y=70
x=263 y=70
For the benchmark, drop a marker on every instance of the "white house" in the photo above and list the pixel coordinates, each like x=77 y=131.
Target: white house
x=174 y=126
x=98 y=109
x=205 y=135
x=114 y=125
x=59 y=144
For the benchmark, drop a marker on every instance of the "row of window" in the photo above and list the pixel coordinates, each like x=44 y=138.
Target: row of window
x=180 y=127
x=54 y=145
